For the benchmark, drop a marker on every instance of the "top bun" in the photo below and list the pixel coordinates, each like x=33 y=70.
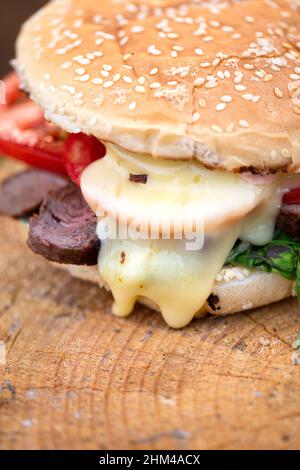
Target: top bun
x=213 y=80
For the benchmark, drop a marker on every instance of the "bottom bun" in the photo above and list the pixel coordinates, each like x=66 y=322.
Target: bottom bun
x=235 y=290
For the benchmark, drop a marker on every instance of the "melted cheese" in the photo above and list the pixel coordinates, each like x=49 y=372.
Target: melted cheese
x=178 y=281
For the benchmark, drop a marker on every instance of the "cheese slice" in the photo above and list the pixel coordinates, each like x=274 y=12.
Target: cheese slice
x=170 y=258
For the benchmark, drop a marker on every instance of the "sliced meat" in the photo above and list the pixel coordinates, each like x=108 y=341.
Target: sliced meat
x=23 y=193
x=65 y=229
x=289 y=220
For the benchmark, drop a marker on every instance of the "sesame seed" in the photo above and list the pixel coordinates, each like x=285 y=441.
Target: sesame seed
x=278 y=92
x=208 y=39
x=97 y=81
x=99 y=41
x=127 y=57
x=84 y=61
x=202 y=103
x=141 y=80
x=205 y=64
x=154 y=71
x=274 y=154
x=230 y=127
x=140 y=89
x=132 y=106
x=227 y=29
x=69 y=89
x=287 y=45
x=216 y=129
x=211 y=84
x=154 y=85
x=116 y=77
x=238 y=78
x=78 y=23
x=221 y=106
x=61 y=51
x=93 y=120
x=196 y=117
x=153 y=50
x=199 y=51
x=107 y=67
x=173 y=35
x=240 y=88
x=108 y=84
x=174 y=54
x=124 y=41
x=268 y=77
x=137 y=29
x=260 y=73
x=105 y=35
x=80 y=71
x=215 y=62
x=226 y=99
x=83 y=78
x=172 y=83
x=66 y=65
x=127 y=79
x=199 y=81
x=97 y=102
x=294 y=76
x=104 y=73
x=243 y=123
x=178 y=48
x=97 y=19
x=247 y=97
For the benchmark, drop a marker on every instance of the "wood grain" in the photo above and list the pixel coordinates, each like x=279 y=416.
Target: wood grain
x=75 y=377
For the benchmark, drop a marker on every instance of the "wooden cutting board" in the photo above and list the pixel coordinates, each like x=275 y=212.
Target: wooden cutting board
x=74 y=377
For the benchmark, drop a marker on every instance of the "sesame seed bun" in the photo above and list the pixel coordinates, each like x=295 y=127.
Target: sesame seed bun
x=217 y=81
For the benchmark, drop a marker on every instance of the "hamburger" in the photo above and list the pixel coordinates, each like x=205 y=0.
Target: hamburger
x=178 y=125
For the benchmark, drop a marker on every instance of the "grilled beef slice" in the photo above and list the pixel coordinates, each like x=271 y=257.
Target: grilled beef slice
x=289 y=220
x=23 y=193
x=65 y=229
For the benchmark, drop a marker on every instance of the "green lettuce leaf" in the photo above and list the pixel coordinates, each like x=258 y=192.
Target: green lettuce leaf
x=281 y=256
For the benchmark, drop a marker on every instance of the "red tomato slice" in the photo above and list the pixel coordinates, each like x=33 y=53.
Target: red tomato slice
x=292 y=197
x=22 y=117
x=25 y=134
x=80 y=151
x=12 y=90
x=47 y=156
